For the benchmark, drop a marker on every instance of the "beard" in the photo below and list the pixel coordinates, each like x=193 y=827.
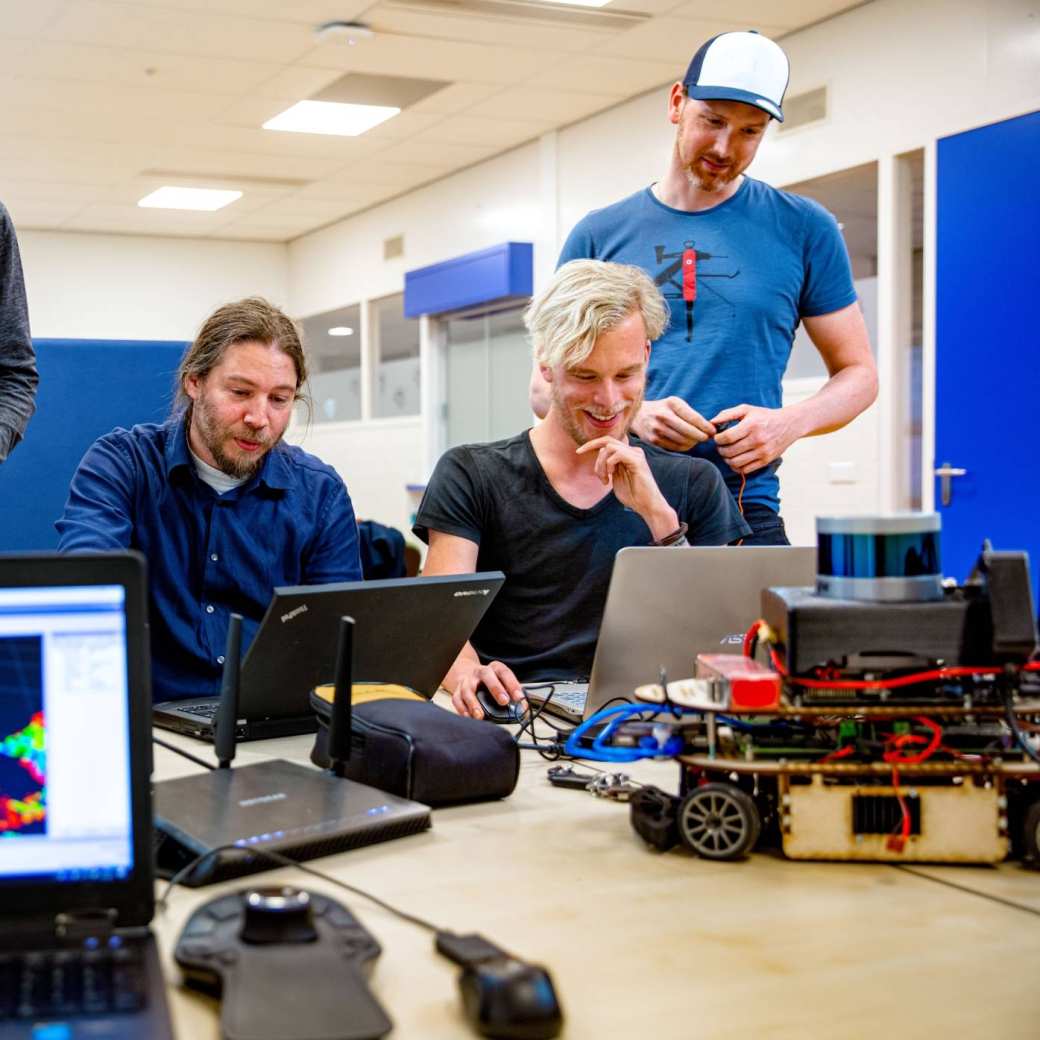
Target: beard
x=702 y=180
x=571 y=423
x=215 y=435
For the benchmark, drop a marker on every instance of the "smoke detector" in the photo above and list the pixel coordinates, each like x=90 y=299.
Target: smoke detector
x=351 y=32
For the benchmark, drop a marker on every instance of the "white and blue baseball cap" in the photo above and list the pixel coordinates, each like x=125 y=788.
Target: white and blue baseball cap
x=740 y=66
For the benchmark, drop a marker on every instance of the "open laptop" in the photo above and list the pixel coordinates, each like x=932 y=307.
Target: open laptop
x=408 y=631
x=666 y=606
x=77 y=958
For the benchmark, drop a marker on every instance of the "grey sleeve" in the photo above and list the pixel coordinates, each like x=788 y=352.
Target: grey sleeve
x=18 y=375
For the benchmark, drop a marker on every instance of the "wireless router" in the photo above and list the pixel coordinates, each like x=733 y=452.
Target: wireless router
x=297 y=811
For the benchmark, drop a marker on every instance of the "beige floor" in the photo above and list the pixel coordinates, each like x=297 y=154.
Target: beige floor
x=649 y=945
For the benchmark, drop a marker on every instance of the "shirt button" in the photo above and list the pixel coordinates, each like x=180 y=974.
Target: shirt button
x=214 y=557
x=220 y=660
x=209 y=609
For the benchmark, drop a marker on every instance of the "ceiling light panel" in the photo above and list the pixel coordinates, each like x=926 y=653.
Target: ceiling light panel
x=170 y=197
x=331 y=117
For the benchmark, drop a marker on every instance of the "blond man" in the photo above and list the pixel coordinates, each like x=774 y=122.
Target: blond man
x=552 y=506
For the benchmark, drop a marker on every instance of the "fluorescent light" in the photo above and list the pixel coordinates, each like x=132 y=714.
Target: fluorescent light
x=341 y=330
x=330 y=117
x=168 y=197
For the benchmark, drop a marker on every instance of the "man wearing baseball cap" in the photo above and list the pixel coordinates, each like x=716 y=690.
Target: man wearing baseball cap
x=741 y=264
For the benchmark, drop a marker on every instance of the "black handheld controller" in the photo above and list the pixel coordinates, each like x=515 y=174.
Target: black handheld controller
x=289 y=964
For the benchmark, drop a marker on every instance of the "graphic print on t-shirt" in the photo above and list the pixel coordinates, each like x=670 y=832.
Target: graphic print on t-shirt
x=678 y=280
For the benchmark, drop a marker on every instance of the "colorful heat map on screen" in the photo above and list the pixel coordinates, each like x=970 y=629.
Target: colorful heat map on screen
x=23 y=738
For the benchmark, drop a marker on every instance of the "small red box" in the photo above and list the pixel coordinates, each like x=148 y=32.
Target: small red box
x=752 y=686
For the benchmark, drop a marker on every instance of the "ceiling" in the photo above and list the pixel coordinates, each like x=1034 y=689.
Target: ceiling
x=106 y=100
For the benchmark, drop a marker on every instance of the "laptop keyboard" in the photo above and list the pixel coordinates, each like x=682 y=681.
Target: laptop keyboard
x=72 y=982
x=571 y=696
x=205 y=711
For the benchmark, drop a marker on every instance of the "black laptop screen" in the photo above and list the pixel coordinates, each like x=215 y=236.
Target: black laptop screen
x=65 y=796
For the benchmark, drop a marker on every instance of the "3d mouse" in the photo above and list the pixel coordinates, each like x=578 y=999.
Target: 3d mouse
x=504 y=997
x=503 y=714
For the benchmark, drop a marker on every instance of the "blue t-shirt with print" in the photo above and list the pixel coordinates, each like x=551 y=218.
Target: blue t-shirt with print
x=739 y=278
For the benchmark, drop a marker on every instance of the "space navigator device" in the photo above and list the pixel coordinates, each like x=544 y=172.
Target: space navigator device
x=289 y=965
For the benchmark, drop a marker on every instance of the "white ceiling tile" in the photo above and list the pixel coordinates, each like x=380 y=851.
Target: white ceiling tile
x=537 y=104
x=203 y=33
x=306 y=12
x=778 y=14
x=455 y=98
x=36 y=214
x=108 y=217
x=151 y=69
x=611 y=75
x=296 y=82
x=374 y=171
x=434 y=59
x=512 y=32
x=666 y=39
x=230 y=164
x=437 y=153
x=484 y=131
x=25 y=20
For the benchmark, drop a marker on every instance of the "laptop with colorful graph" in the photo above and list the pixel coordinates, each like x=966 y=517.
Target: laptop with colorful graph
x=77 y=958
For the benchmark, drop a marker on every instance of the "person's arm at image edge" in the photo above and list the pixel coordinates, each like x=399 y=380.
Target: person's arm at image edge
x=451 y=554
x=18 y=374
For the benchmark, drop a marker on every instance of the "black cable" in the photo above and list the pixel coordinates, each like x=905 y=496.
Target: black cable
x=285 y=861
x=184 y=754
x=1012 y=721
x=970 y=891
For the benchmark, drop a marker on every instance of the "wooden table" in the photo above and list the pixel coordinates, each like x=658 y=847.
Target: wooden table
x=642 y=944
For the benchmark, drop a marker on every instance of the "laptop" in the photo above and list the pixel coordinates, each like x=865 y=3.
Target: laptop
x=408 y=631
x=666 y=606
x=77 y=958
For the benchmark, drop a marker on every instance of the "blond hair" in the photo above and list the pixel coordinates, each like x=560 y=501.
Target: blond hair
x=584 y=299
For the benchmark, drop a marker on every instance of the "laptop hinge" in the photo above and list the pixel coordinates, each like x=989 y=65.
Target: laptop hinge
x=82 y=924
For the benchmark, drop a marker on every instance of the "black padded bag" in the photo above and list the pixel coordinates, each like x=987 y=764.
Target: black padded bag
x=417 y=750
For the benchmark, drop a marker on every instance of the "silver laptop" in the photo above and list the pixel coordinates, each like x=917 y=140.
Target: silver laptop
x=666 y=606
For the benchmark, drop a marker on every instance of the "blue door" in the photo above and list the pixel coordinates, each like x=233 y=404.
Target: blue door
x=987 y=394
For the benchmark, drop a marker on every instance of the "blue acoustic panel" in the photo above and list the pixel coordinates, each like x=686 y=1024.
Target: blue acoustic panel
x=86 y=389
x=988 y=340
x=498 y=273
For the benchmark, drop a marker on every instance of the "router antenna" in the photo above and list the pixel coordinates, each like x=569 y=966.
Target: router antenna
x=340 y=719
x=227 y=711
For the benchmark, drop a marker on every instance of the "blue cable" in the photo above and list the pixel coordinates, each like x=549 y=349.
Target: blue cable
x=601 y=751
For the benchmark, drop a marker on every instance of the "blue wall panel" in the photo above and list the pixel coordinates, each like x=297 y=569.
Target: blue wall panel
x=988 y=339
x=498 y=273
x=86 y=389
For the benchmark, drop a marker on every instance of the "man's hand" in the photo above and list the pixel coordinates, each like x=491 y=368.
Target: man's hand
x=468 y=675
x=671 y=424
x=759 y=436
x=624 y=468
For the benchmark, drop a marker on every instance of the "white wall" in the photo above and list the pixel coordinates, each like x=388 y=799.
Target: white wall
x=899 y=75
x=139 y=287
x=377 y=459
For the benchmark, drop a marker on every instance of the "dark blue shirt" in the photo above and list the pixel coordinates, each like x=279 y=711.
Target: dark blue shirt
x=209 y=555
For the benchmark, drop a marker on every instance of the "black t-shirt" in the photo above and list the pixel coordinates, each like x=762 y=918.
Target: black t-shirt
x=557 y=558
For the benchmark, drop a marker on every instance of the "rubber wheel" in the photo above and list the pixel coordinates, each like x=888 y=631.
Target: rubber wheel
x=1031 y=836
x=718 y=821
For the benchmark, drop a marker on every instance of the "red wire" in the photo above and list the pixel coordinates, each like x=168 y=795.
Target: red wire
x=750 y=634
x=934 y=675
x=900 y=741
x=842 y=752
x=898 y=842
